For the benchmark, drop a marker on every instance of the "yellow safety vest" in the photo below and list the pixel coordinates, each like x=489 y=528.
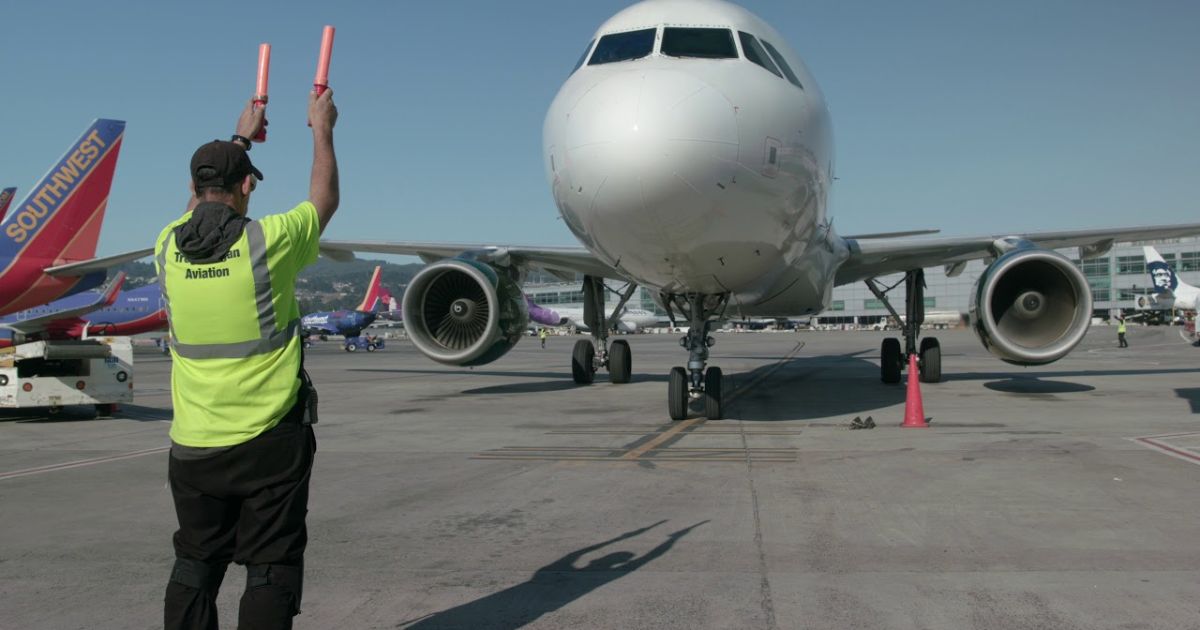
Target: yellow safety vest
x=235 y=329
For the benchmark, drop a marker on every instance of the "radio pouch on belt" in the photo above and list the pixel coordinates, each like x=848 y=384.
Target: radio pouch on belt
x=309 y=394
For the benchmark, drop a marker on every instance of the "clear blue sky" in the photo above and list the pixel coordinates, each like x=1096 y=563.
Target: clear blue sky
x=966 y=116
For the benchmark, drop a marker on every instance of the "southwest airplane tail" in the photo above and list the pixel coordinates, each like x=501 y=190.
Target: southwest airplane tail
x=59 y=221
x=6 y=197
x=374 y=292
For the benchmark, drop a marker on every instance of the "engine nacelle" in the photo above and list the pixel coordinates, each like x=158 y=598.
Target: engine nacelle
x=464 y=312
x=1031 y=307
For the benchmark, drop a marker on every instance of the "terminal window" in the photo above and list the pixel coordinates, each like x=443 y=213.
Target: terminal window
x=1096 y=267
x=1128 y=265
x=1189 y=261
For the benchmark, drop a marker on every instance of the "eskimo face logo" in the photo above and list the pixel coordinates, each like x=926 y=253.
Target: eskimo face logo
x=1164 y=279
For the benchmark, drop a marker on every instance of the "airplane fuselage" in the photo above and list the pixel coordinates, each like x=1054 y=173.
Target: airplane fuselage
x=699 y=175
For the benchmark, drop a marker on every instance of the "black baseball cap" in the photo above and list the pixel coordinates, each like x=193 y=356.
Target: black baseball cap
x=220 y=164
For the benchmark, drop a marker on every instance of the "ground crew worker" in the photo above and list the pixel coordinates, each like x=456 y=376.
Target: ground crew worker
x=242 y=450
x=1121 y=333
x=543 y=334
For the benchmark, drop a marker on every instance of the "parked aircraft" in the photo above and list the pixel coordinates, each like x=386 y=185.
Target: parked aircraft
x=90 y=314
x=1170 y=292
x=629 y=320
x=6 y=197
x=48 y=241
x=690 y=152
x=389 y=308
x=348 y=323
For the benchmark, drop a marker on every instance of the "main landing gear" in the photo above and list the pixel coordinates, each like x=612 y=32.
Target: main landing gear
x=696 y=382
x=893 y=360
x=589 y=356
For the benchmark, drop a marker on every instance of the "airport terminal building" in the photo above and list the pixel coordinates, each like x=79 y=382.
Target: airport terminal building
x=1116 y=278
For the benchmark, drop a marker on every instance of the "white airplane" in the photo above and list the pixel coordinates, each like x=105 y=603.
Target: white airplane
x=1169 y=291
x=630 y=320
x=690 y=152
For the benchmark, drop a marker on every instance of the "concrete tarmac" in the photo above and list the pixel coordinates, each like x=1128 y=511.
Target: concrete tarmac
x=508 y=497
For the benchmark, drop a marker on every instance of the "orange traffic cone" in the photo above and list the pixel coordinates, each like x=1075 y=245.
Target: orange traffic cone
x=914 y=409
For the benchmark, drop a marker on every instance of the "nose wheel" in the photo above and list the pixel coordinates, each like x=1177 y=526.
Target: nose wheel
x=698 y=381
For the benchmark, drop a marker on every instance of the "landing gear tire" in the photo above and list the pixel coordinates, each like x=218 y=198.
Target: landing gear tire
x=620 y=362
x=712 y=393
x=891 y=360
x=106 y=410
x=583 y=367
x=931 y=360
x=677 y=393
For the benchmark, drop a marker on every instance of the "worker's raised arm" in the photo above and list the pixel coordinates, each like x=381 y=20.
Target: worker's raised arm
x=323 y=187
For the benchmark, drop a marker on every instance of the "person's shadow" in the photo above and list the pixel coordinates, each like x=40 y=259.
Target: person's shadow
x=550 y=588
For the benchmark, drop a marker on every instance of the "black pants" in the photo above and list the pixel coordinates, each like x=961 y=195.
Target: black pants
x=1121 y=340
x=247 y=505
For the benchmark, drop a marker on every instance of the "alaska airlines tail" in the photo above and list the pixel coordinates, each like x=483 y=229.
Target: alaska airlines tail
x=1167 y=283
x=374 y=292
x=6 y=197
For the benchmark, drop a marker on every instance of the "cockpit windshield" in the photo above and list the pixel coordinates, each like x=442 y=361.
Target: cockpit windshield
x=583 y=57
x=705 y=43
x=755 y=53
x=623 y=47
x=783 y=65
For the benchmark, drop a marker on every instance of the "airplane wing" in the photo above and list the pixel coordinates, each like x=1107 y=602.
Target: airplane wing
x=69 y=317
x=84 y=267
x=561 y=261
x=878 y=257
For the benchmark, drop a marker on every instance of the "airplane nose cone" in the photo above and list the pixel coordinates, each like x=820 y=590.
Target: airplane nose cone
x=648 y=153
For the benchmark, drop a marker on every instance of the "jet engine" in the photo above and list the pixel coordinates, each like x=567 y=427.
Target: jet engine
x=1031 y=307
x=464 y=312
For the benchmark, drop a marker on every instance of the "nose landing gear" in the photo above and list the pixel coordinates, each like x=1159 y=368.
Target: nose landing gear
x=698 y=381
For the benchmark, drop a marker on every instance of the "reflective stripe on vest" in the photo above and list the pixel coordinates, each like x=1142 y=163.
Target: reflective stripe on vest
x=269 y=339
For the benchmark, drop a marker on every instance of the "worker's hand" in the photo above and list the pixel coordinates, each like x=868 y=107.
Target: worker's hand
x=322 y=113
x=252 y=120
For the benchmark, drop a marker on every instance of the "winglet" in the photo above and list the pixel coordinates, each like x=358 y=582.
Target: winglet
x=6 y=197
x=113 y=290
x=373 y=291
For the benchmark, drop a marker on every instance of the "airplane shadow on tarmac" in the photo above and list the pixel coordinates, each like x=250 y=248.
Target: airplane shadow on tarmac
x=550 y=588
x=1192 y=395
x=805 y=388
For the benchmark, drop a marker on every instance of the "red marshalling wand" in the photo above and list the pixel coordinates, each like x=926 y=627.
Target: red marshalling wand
x=321 y=80
x=260 y=87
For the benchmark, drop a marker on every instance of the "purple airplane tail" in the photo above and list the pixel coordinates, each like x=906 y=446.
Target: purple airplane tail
x=542 y=315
